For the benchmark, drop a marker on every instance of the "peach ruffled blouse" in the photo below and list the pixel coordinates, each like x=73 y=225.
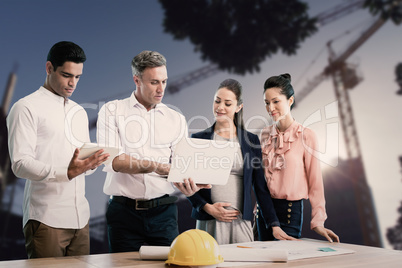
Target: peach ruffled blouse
x=292 y=167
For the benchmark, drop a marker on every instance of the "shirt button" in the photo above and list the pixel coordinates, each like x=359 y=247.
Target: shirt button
x=288 y=215
x=289 y=210
x=290 y=204
x=288 y=221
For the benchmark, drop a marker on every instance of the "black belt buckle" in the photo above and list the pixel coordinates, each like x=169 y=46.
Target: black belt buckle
x=140 y=208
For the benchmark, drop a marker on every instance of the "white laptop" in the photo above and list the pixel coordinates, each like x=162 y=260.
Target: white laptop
x=204 y=161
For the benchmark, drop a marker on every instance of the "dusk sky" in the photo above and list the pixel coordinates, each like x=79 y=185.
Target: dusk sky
x=113 y=32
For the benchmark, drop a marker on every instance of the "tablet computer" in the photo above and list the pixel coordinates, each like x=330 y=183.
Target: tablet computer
x=89 y=149
x=204 y=161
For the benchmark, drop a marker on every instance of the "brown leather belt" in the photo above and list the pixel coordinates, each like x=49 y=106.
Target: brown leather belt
x=145 y=204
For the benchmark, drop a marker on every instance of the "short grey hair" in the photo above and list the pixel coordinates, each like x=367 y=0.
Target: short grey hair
x=146 y=59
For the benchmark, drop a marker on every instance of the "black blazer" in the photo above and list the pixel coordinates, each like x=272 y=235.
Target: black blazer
x=253 y=175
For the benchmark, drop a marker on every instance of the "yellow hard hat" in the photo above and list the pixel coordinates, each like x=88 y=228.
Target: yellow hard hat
x=194 y=247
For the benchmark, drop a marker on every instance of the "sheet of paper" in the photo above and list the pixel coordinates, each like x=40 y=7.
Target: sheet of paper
x=88 y=149
x=235 y=254
x=297 y=249
x=205 y=161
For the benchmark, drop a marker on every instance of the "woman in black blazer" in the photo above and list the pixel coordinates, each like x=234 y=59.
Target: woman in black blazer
x=226 y=211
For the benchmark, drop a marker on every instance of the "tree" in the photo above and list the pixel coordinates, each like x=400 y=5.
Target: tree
x=389 y=9
x=394 y=234
x=238 y=35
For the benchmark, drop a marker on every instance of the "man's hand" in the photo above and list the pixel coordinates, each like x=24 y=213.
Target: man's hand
x=280 y=234
x=77 y=166
x=188 y=187
x=327 y=233
x=220 y=212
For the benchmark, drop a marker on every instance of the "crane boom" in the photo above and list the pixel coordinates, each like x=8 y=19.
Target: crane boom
x=355 y=45
x=338 y=61
x=192 y=77
x=338 y=12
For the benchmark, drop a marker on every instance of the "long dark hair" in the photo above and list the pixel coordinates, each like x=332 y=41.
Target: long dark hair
x=236 y=88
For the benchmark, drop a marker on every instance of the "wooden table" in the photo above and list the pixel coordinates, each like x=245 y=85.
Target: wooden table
x=363 y=257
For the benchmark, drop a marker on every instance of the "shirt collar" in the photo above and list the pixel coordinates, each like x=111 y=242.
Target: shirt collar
x=292 y=128
x=160 y=107
x=53 y=96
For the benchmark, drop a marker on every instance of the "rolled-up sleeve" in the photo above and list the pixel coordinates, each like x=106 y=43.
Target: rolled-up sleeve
x=107 y=131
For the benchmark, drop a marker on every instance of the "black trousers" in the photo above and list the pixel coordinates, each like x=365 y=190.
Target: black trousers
x=129 y=229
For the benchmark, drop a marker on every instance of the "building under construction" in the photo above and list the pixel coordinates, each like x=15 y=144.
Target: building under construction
x=343 y=210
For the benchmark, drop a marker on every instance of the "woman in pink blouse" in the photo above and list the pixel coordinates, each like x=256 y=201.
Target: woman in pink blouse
x=291 y=166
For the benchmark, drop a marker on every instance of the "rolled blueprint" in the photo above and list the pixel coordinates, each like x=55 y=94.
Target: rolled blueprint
x=229 y=254
x=154 y=252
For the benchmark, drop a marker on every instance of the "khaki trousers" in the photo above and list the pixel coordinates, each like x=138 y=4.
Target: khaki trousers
x=42 y=241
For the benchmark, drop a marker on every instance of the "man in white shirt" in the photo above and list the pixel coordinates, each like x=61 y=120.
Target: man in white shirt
x=140 y=210
x=45 y=130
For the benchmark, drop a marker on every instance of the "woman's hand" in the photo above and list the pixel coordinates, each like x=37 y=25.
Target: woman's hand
x=220 y=212
x=280 y=234
x=188 y=187
x=327 y=233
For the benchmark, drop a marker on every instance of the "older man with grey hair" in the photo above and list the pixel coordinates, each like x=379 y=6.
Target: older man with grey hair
x=141 y=209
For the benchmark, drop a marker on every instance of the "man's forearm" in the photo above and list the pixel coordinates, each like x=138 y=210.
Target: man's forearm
x=126 y=164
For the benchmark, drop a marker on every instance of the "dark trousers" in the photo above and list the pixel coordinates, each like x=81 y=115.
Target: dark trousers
x=129 y=229
x=290 y=215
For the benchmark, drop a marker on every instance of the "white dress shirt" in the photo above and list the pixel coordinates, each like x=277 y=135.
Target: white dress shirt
x=44 y=129
x=142 y=134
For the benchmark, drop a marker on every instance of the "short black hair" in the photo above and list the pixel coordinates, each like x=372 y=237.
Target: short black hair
x=65 y=51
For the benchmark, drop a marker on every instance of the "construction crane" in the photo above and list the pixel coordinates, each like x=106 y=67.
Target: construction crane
x=344 y=78
x=398 y=74
x=6 y=175
x=323 y=18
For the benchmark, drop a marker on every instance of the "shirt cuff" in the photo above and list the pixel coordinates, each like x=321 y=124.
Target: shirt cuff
x=315 y=224
x=275 y=224
x=109 y=168
x=90 y=171
x=61 y=174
